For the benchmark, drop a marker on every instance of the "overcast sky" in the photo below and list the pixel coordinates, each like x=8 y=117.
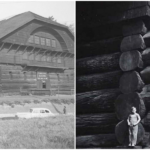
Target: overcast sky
x=63 y=11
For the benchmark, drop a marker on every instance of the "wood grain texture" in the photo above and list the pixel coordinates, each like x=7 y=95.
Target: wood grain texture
x=134 y=27
x=131 y=82
x=106 y=141
x=145 y=75
x=96 y=101
x=106 y=46
x=132 y=42
x=98 y=81
x=124 y=102
x=99 y=140
x=96 y=123
x=130 y=60
x=98 y=64
x=122 y=133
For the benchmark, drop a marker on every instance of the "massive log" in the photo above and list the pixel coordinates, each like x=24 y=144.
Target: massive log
x=146 y=99
x=96 y=123
x=124 y=102
x=146 y=122
x=132 y=42
x=100 y=140
x=135 y=27
x=130 y=60
x=98 y=81
x=105 y=140
x=106 y=46
x=122 y=133
x=96 y=101
x=145 y=75
x=90 y=65
x=131 y=82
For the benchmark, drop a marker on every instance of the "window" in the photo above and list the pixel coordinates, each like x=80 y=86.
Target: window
x=48 y=42
x=36 y=40
x=11 y=76
x=53 y=43
x=43 y=58
x=49 y=58
x=46 y=111
x=44 y=85
x=42 y=111
x=58 y=60
x=25 y=76
x=30 y=40
x=54 y=59
x=42 y=41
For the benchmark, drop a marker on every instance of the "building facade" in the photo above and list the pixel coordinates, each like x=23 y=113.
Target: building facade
x=36 y=55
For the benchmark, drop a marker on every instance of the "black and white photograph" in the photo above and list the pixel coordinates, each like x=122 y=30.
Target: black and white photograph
x=37 y=94
x=113 y=74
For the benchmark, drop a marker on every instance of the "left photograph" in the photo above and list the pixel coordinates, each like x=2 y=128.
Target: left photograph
x=37 y=98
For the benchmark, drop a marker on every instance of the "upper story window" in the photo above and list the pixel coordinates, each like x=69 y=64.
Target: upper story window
x=53 y=43
x=42 y=41
x=31 y=39
x=36 y=40
x=48 y=42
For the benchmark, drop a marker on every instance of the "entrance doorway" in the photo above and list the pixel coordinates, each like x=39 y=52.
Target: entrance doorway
x=44 y=85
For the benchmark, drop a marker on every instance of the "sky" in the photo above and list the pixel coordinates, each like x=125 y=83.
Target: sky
x=62 y=11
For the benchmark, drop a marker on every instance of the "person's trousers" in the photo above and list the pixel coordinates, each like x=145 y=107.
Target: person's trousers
x=133 y=131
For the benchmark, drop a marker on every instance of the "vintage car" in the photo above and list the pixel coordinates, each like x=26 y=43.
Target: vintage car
x=35 y=113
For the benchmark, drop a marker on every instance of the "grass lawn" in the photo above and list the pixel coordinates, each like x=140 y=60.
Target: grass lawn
x=40 y=133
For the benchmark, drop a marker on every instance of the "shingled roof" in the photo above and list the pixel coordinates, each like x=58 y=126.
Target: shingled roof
x=9 y=25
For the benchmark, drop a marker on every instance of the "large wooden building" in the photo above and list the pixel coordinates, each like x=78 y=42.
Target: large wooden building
x=36 y=55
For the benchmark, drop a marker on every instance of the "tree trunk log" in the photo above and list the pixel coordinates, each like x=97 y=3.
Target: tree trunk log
x=124 y=102
x=146 y=99
x=96 y=123
x=146 y=122
x=107 y=46
x=135 y=27
x=130 y=60
x=105 y=140
x=131 y=82
x=146 y=38
x=98 y=81
x=122 y=133
x=145 y=75
x=132 y=42
x=96 y=101
x=98 y=64
x=100 y=140
x=146 y=56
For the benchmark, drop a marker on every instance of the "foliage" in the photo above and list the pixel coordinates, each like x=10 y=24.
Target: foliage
x=47 y=133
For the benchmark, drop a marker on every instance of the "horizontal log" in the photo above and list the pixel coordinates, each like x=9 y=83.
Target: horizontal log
x=100 y=140
x=145 y=75
x=146 y=99
x=96 y=101
x=98 y=64
x=132 y=42
x=146 y=56
x=98 y=81
x=96 y=123
x=146 y=38
x=125 y=102
x=130 y=60
x=131 y=82
x=106 y=46
x=146 y=122
x=122 y=133
x=105 y=140
x=134 y=27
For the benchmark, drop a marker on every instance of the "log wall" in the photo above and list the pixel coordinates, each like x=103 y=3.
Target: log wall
x=112 y=66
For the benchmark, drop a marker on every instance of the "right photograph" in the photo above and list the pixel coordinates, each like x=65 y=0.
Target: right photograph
x=113 y=74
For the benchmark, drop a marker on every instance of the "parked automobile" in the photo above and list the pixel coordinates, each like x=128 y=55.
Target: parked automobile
x=35 y=113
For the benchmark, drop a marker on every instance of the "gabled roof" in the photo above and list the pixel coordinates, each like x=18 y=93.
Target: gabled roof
x=11 y=24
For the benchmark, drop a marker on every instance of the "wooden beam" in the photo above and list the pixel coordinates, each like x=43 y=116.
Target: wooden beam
x=25 y=49
x=38 y=52
x=10 y=47
x=17 y=48
x=2 y=46
x=32 y=51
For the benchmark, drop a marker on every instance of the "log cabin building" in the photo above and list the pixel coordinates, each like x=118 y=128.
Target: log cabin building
x=113 y=72
x=36 y=55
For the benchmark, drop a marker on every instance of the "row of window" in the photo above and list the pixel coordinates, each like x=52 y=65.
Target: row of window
x=33 y=76
x=42 y=41
x=43 y=58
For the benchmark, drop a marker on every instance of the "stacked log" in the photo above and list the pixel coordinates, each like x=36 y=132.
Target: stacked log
x=131 y=82
x=110 y=76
